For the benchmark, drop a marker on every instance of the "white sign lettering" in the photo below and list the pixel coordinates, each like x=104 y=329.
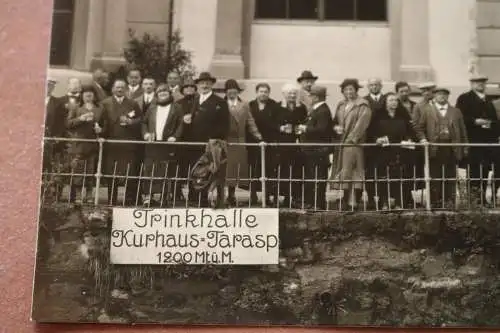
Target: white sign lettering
x=195 y=236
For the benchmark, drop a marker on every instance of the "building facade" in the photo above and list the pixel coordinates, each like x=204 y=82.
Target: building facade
x=273 y=40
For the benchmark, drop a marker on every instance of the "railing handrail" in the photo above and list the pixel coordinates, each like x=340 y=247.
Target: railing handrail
x=275 y=144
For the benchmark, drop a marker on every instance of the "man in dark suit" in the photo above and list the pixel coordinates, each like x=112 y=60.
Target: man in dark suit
x=442 y=123
x=376 y=101
x=134 y=80
x=266 y=113
x=73 y=94
x=121 y=120
x=186 y=154
x=163 y=122
x=148 y=97
x=482 y=127
x=403 y=89
x=317 y=129
x=174 y=84
x=210 y=120
x=50 y=113
x=100 y=82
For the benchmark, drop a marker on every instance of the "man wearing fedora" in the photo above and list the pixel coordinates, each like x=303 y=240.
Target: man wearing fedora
x=306 y=80
x=443 y=123
x=241 y=123
x=209 y=120
x=318 y=129
x=482 y=127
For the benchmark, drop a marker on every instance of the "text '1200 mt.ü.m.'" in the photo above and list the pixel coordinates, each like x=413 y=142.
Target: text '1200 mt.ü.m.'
x=195 y=236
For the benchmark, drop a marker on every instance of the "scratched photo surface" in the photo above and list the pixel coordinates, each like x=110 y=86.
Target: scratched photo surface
x=271 y=162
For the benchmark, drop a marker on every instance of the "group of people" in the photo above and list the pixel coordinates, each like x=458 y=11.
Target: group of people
x=142 y=113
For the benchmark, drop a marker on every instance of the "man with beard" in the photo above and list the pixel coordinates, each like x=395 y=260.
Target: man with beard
x=134 y=79
x=163 y=123
x=306 y=80
x=148 y=98
x=173 y=82
x=482 y=127
x=122 y=120
x=209 y=120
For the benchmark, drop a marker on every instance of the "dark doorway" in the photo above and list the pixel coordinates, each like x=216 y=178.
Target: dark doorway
x=62 y=32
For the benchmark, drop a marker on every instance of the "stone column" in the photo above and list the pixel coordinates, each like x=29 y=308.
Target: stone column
x=414 y=33
x=473 y=40
x=80 y=35
x=114 y=35
x=227 y=61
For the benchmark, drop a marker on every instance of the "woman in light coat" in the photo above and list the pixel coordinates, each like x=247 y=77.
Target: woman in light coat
x=241 y=122
x=352 y=118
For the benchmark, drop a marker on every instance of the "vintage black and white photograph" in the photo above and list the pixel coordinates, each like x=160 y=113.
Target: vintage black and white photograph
x=271 y=162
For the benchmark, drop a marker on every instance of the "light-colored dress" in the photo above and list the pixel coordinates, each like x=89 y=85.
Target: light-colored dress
x=354 y=118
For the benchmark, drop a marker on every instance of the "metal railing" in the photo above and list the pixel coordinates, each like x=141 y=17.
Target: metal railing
x=295 y=183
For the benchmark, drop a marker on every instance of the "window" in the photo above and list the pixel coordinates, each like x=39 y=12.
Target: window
x=323 y=10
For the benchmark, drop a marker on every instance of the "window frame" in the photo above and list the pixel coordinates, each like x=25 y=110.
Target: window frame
x=321 y=20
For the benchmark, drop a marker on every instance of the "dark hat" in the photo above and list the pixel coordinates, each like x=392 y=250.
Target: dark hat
x=205 y=76
x=188 y=82
x=442 y=89
x=307 y=75
x=232 y=84
x=350 y=82
x=88 y=88
x=319 y=91
x=476 y=77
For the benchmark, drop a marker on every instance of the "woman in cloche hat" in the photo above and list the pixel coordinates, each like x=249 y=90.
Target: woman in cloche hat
x=352 y=118
x=241 y=121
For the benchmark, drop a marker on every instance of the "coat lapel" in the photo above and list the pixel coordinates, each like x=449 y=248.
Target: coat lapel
x=235 y=111
x=152 y=118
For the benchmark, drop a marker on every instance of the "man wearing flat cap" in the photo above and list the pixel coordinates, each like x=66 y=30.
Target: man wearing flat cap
x=482 y=127
x=318 y=129
x=443 y=123
x=427 y=90
x=210 y=120
x=306 y=80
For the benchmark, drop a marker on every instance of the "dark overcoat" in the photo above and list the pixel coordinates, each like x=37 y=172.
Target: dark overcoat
x=121 y=158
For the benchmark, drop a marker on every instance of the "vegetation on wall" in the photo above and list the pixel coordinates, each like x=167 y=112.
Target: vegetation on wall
x=156 y=57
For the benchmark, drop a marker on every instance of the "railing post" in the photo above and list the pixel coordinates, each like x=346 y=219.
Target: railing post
x=263 y=172
x=427 y=175
x=98 y=173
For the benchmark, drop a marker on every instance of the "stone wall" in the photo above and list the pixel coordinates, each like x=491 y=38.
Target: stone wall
x=335 y=269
